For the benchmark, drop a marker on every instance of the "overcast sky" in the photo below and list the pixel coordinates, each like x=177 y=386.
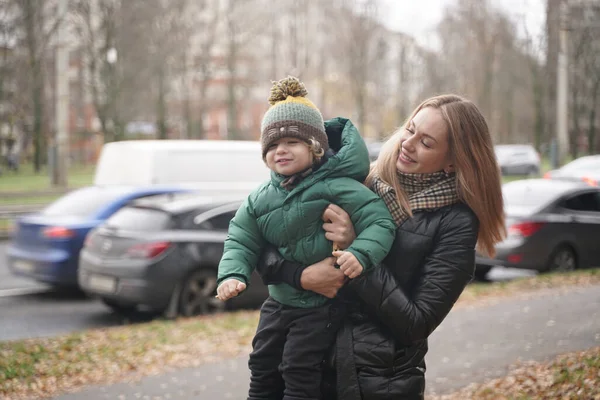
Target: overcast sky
x=418 y=18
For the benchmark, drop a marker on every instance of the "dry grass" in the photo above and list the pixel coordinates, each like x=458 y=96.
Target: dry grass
x=571 y=376
x=38 y=368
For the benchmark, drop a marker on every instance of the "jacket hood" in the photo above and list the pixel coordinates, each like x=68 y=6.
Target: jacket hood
x=351 y=158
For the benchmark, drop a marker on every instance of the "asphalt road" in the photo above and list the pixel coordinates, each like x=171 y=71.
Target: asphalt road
x=471 y=345
x=30 y=309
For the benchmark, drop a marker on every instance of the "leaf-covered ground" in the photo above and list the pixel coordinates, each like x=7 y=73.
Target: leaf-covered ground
x=572 y=376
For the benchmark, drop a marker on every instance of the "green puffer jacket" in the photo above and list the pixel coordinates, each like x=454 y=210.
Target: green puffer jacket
x=291 y=220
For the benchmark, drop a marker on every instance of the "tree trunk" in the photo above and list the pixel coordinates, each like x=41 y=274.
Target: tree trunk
x=187 y=112
x=31 y=27
x=538 y=104
x=161 y=109
x=118 y=132
x=401 y=90
x=38 y=117
x=592 y=148
x=232 y=131
x=293 y=29
x=575 y=113
x=274 y=46
x=552 y=49
x=360 y=107
x=202 y=109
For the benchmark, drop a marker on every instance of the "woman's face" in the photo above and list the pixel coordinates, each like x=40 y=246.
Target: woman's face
x=424 y=144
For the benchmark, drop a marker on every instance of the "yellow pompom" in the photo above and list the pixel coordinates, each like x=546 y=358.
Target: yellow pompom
x=283 y=88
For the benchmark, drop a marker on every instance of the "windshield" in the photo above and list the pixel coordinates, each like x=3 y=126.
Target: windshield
x=592 y=164
x=139 y=219
x=505 y=151
x=524 y=197
x=83 y=202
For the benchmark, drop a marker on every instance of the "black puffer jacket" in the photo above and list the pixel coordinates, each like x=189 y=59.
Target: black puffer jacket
x=431 y=262
x=381 y=347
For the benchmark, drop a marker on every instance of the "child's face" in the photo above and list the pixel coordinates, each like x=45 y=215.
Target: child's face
x=288 y=156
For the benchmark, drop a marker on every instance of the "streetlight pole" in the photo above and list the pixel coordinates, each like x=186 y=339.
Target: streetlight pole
x=61 y=160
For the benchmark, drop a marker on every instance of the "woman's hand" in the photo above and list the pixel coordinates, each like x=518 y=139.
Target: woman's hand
x=323 y=278
x=338 y=226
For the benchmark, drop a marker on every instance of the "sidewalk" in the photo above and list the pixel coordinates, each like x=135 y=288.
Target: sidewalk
x=472 y=345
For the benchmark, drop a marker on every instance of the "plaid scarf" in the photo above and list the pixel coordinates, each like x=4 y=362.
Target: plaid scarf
x=424 y=191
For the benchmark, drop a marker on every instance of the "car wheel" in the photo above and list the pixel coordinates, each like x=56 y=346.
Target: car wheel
x=198 y=294
x=563 y=259
x=481 y=272
x=119 y=308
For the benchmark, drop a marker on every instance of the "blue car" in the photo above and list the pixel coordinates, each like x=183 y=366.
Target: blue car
x=45 y=246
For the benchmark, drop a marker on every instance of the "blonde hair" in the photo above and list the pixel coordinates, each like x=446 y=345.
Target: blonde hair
x=472 y=154
x=316 y=149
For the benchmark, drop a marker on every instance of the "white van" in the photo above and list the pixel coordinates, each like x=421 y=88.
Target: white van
x=216 y=167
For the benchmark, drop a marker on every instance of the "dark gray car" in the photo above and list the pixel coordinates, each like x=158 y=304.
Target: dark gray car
x=162 y=254
x=552 y=226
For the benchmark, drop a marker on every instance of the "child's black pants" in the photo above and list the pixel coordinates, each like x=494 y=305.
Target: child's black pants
x=288 y=351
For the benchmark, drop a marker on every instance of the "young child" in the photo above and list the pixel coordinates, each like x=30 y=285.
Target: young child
x=295 y=327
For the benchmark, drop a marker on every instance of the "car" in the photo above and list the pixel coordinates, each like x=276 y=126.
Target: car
x=162 y=255
x=518 y=159
x=552 y=225
x=586 y=169
x=217 y=167
x=45 y=245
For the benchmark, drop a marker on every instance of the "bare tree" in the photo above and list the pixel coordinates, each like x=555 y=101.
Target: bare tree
x=202 y=64
x=362 y=49
x=483 y=59
x=533 y=48
x=8 y=68
x=469 y=39
x=584 y=73
x=232 y=59
x=578 y=93
x=164 y=45
x=38 y=25
x=96 y=26
x=552 y=49
x=245 y=27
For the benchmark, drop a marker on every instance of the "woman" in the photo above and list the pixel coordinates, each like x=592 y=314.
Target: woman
x=439 y=178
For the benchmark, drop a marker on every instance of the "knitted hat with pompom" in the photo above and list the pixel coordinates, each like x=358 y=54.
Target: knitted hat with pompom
x=291 y=115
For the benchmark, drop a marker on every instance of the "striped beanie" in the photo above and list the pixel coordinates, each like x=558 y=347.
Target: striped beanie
x=291 y=114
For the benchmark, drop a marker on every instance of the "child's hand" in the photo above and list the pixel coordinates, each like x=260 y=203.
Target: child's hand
x=230 y=288
x=348 y=263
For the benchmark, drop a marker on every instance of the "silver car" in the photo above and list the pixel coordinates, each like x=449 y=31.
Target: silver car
x=586 y=169
x=552 y=225
x=518 y=159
